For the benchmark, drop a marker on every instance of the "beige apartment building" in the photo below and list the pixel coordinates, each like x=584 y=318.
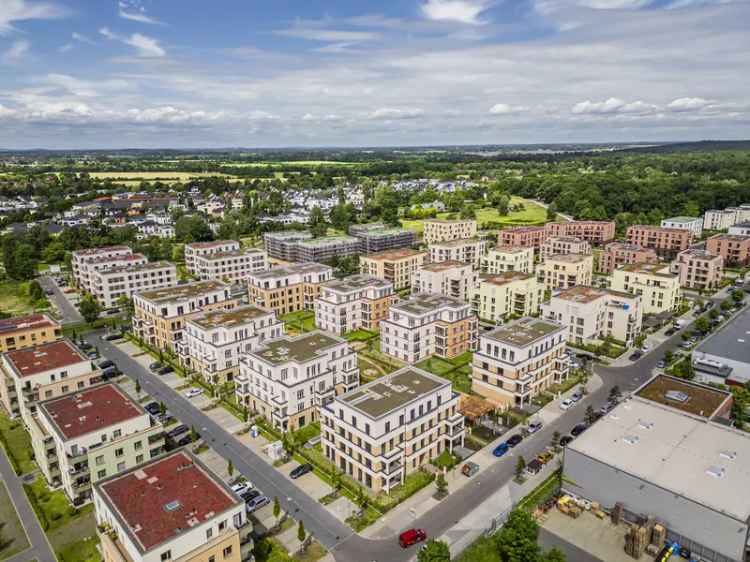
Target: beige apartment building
x=508 y=294
x=289 y=288
x=358 y=301
x=85 y=262
x=698 y=269
x=666 y=241
x=509 y=258
x=468 y=250
x=439 y=230
x=21 y=332
x=214 y=342
x=108 y=285
x=42 y=372
x=150 y=514
x=202 y=249
x=90 y=435
x=659 y=289
x=693 y=224
x=159 y=317
x=516 y=362
x=734 y=248
x=385 y=430
x=717 y=219
x=595 y=232
x=427 y=324
x=555 y=245
x=450 y=278
x=563 y=271
x=288 y=380
x=617 y=254
x=525 y=236
x=590 y=315
x=230 y=266
x=396 y=266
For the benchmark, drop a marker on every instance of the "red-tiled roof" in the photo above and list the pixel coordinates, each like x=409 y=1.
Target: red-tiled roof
x=29 y=322
x=44 y=357
x=166 y=497
x=90 y=410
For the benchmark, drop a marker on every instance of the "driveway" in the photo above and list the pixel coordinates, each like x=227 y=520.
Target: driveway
x=68 y=313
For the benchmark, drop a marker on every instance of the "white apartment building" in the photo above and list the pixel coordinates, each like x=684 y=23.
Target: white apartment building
x=450 y=278
x=660 y=290
x=288 y=379
x=507 y=294
x=229 y=266
x=562 y=271
x=467 y=250
x=426 y=325
x=591 y=314
x=108 y=285
x=215 y=341
x=85 y=262
x=564 y=245
x=693 y=224
x=517 y=361
x=740 y=229
x=509 y=258
x=196 y=249
x=91 y=435
x=358 y=301
x=438 y=230
x=150 y=514
x=715 y=219
x=387 y=429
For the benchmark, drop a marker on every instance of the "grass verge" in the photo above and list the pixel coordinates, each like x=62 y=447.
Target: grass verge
x=13 y=538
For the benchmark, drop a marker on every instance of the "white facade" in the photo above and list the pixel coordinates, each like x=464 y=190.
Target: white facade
x=509 y=258
x=359 y=301
x=693 y=224
x=108 y=285
x=450 y=278
x=468 y=250
x=85 y=262
x=229 y=266
x=196 y=249
x=741 y=229
x=719 y=220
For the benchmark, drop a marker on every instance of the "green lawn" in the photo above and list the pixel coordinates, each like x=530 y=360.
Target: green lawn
x=298 y=322
x=15 y=300
x=13 y=536
x=17 y=444
x=80 y=551
x=360 y=335
x=456 y=370
x=52 y=507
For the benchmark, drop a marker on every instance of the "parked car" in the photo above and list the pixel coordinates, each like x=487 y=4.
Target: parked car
x=152 y=408
x=535 y=426
x=112 y=336
x=165 y=370
x=49 y=292
x=670 y=332
x=242 y=487
x=545 y=457
x=185 y=441
x=578 y=429
x=564 y=440
x=567 y=404
x=93 y=354
x=105 y=363
x=534 y=467
x=256 y=503
x=249 y=495
x=411 y=537
x=501 y=449
x=155 y=366
x=177 y=431
x=514 y=440
x=193 y=392
x=110 y=372
x=645 y=347
x=301 y=470
x=607 y=408
x=661 y=364
x=636 y=355
x=686 y=344
x=576 y=396
x=469 y=469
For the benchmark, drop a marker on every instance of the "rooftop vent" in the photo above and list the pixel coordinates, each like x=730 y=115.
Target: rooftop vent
x=645 y=424
x=172 y=506
x=676 y=396
x=728 y=455
x=631 y=439
x=716 y=471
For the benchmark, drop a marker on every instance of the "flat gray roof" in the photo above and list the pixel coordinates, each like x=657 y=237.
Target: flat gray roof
x=356 y=283
x=731 y=341
x=284 y=271
x=524 y=331
x=697 y=459
x=300 y=349
x=423 y=303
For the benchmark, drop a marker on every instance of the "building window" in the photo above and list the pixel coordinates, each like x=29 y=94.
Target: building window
x=228 y=552
x=101 y=474
x=100 y=460
x=166 y=555
x=222 y=525
x=138 y=445
x=209 y=533
x=116 y=433
x=120 y=467
x=119 y=452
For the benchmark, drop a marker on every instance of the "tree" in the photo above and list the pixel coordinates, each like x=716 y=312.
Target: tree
x=590 y=416
x=614 y=394
x=337 y=479
x=301 y=533
x=125 y=305
x=520 y=467
x=726 y=304
x=53 y=253
x=138 y=387
x=276 y=507
x=289 y=442
x=230 y=468
x=553 y=555
x=668 y=356
x=738 y=296
x=468 y=212
x=516 y=541
x=35 y=291
x=89 y=308
x=434 y=551
x=192 y=229
x=362 y=499
x=442 y=484
x=555 y=439
x=162 y=409
x=317 y=222
x=194 y=435
x=713 y=313
x=702 y=325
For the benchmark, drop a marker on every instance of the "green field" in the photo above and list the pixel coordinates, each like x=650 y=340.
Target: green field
x=13 y=539
x=290 y=163
x=152 y=176
x=14 y=299
x=17 y=445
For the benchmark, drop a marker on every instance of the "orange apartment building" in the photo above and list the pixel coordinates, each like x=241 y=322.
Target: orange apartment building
x=595 y=232
x=698 y=269
x=289 y=288
x=524 y=236
x=734 y=248
x=396 y=266
x=27 y=331
x=666 y=241
x=617 y=254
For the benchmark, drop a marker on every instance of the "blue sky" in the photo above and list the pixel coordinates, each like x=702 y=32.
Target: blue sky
x=190 y=73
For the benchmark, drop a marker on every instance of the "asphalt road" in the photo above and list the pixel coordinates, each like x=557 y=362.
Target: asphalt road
x=345 y=545
x=68 y=313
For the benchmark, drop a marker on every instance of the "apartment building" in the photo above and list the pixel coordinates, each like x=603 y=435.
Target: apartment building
x=288 y=380
x=698 y=269
x=108 y=285
x=510 y=293
x=426 y=325
x=617 y=254
x=524 y=236
x=450 y=278
x=516 y=362
x=230 y=266
x=378 y=237
x=396 y=266
x=715 y=219
x=693 y=224
x=439 y=230
x=85 y=262
x=290 y=288
x=562 y=271
x=659 y=289
x=741 y=213
x=328 y=247
x=468 y=250
x=590 y=314
x=42 y=372
x=358 y=301
x=735 y=249
x=150 y=514
x=159 y=316
x=21 y=332
x=215 y=341
x=203 y=249
x=283 y=245
x=741 y=228
x=555 y=245
x=509 y=258
x=667 y=242
x=387 y=429
x=90 y=435
x=595 y=232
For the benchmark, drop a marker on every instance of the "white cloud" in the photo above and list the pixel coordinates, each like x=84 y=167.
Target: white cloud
x=16 y=51
x=333 y=35
x=12 y=11
x=461 y=11
x=135 y=11
x=614 y=4
x=146 y=47
x=677 y=4
x=612 y=106
x=81 y=38
x=688 y=104
x=505 y=109
x=391 y=113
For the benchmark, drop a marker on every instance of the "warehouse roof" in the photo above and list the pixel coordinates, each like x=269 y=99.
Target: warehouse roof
x=731 y=342
x=700 y=460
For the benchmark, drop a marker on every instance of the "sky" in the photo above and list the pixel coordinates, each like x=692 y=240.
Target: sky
x=86 y=74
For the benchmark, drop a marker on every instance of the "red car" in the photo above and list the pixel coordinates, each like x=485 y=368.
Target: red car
x=412 y=536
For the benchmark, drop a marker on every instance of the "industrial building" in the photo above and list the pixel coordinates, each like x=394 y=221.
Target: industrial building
x=724 y=357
